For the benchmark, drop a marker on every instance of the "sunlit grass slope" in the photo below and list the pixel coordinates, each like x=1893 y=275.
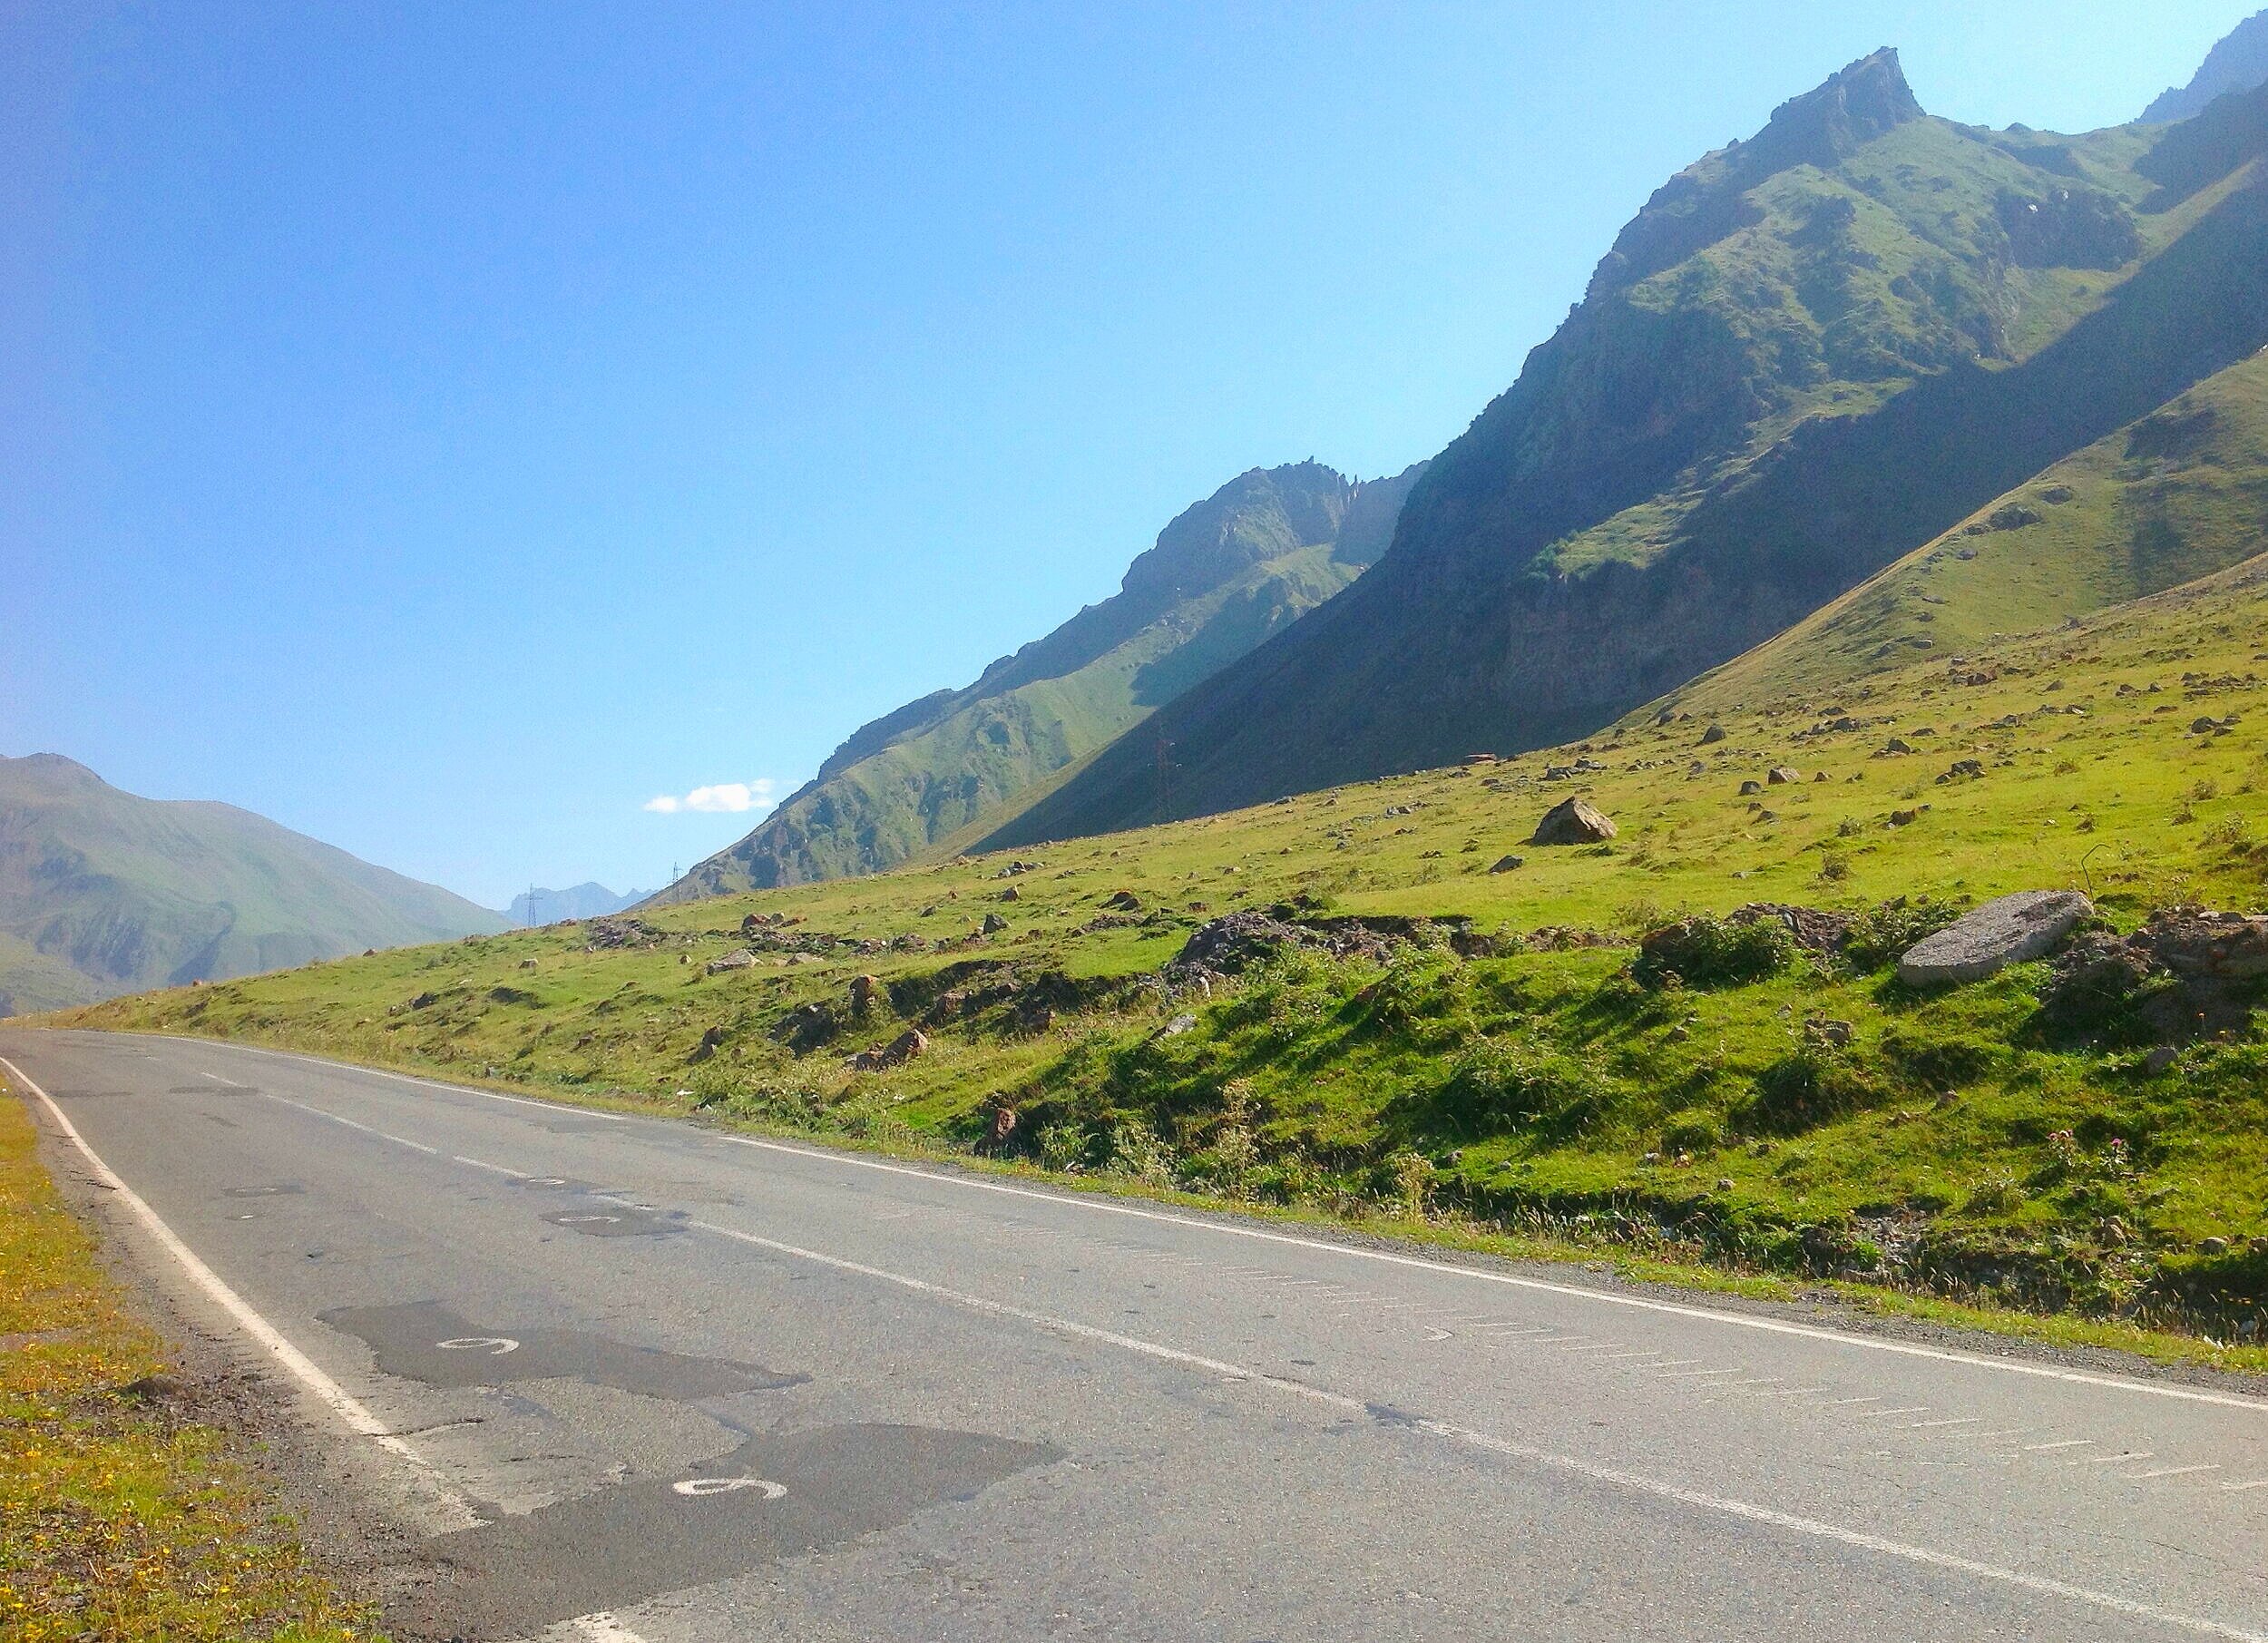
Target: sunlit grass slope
x=119 y=1521
x=1821 y=1119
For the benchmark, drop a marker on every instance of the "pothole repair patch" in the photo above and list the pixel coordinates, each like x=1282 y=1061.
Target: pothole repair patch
x=779 y=1496
x=427 y=1342
x=608 y=1218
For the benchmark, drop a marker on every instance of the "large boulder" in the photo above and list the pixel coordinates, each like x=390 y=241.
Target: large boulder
x=2010 y=930
x=1575 y=821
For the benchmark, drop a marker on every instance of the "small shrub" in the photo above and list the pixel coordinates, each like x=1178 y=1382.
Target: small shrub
x=2227 y=834
x=1812 y=1086
x=1938 y=1063
x=1138 y=1152
x=1414 y=1182
x=1499 y=1087
x=1063 y=1147
x=1707 y=951
x=1880 y=936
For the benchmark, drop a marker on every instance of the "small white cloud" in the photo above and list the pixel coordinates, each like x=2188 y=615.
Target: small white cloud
x=724 y=798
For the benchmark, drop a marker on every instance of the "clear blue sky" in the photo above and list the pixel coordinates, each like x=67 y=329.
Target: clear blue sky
x=446 y=428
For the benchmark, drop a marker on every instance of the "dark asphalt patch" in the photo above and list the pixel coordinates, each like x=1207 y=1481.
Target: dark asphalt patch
x=622 y=1546
x=87 y=1095
x=607 y=1220
x=427 y=1342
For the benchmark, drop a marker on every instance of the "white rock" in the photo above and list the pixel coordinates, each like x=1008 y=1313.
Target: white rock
x=2001 y=933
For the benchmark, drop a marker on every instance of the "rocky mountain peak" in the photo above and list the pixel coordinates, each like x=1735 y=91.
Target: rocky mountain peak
x=1704 y=203
x=2238 y=63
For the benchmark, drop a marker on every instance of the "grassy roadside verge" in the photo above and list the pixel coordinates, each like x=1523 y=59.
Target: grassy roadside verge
x=120 y=1520
x=1424 y=1223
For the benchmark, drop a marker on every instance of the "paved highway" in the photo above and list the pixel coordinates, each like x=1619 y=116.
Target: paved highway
x=640 y=1380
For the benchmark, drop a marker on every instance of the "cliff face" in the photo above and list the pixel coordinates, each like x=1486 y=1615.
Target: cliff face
x=2238 y=65
x=1808 y=354
x=1227 y=574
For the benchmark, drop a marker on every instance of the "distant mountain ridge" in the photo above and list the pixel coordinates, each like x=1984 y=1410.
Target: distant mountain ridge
x=104 y=893
x=1225 y=575
x=586 y=900
x=1810 y=354
x=2238 y=63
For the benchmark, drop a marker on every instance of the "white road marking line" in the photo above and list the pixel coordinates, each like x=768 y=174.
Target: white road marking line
x=1841 y=1402
x=217 y=1079
x=560 y=1108
x=1545 y=1285
x=1737 y=1320
x=2170 y=1472
x=1876 y=1414
x=2111 y=1459
x=1967 y=1420
x=2005 y=1432
x=2238 y=1489
x=458 y=1158
x=349 y=1409
x=1629 y=1482
x=2067 y=1444
x=399 y=1140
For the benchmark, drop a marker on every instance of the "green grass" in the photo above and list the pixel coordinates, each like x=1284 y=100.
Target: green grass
x=117 y=1521
x=1955 y=1149
x=2176 y=496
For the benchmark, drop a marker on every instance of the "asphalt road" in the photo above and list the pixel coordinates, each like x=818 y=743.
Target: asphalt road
x=637 y=1379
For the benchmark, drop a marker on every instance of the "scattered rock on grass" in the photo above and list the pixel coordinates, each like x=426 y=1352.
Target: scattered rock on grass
x=2008 y=930
x=1575 y=821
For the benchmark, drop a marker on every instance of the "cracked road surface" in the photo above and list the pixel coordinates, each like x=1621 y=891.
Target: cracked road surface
x=640 y=1380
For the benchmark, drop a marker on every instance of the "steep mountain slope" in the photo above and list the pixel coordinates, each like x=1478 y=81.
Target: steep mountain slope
x=1809 y=353
x=2177 y=495
x=104 y=893
x=2239 y=64
x=1223 y=576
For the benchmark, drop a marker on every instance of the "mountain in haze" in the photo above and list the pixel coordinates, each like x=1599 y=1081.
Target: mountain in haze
x=1808 y=354
x=586 y=900
x=1223 y=576
x=102 y=893
x=2239 y=64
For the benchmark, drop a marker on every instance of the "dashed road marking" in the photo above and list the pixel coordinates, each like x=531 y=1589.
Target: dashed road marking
x=1738 y=1320
x=1632 y=1482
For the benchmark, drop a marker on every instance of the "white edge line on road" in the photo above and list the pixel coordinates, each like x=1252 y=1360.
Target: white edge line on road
x=1574 y=1291
x=1293 y=1240
x=349 y=1409
x=1858 y=1539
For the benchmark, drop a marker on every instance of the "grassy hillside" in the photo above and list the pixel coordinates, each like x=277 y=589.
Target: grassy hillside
x=102 y=893
x=1223 y=576
x=1809 y=354
x=1488 y=1046
x=2176 y=496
